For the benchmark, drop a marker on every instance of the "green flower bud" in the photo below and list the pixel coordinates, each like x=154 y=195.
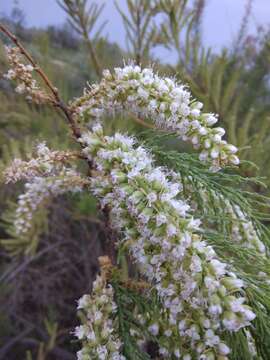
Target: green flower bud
x=137 y=196
x=232 y=284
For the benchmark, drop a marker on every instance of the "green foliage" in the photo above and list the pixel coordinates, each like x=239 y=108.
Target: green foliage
x=28 y=243
x=127 y=321
x=44 y=348
x=228 y=184
x=232 y=84
x=131 y=304
x=229 y=86
x=235 y=188
x=178 y=18
x=141 y=31
x=82 y=17
x=86 y=205
x=218 y=82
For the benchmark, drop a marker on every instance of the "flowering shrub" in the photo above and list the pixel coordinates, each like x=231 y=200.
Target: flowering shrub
x=47 y=175
x=163 y=239
x=167 y=103
x=210 y=296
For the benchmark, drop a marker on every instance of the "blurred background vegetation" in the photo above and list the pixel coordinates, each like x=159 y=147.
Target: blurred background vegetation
x=38 y=291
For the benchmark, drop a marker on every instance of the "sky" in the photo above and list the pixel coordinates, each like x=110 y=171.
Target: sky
x=221 y=21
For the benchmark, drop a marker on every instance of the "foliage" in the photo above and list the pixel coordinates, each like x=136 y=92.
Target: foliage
x=83 y=19
x=141 y=31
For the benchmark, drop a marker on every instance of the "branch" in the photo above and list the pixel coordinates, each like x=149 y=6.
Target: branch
x=24 y=52
x=83 y=22
x=57 y=101
x=69 y=115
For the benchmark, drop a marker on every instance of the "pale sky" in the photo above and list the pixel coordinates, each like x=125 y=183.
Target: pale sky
x=221 y=22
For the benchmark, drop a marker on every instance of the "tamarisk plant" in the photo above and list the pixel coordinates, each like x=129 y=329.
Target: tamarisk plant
x=188 y=222
x=141 y=30
x=83 y=19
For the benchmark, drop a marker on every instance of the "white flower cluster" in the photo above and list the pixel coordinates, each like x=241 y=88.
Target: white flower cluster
x=38 y=191
x=165 y=102
x=46 y=163
x=100 y=340
x=47 y=176
x=24 y=75
x=203 y=297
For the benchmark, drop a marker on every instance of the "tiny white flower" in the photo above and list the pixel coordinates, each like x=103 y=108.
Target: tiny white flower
x=152 y=197
x=195 y=112
x=171 y=230
x=223 y=349
x=143 y=93
x=234 y=160
x=161 y=219
x=154 y=329
x=211 y=119
x=80 y=332
x=214 y=153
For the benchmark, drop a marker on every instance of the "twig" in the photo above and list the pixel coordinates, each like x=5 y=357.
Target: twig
x=24 y=52
x=57 y=101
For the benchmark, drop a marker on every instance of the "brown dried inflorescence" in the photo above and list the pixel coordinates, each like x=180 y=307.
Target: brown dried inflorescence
x=23 y=74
